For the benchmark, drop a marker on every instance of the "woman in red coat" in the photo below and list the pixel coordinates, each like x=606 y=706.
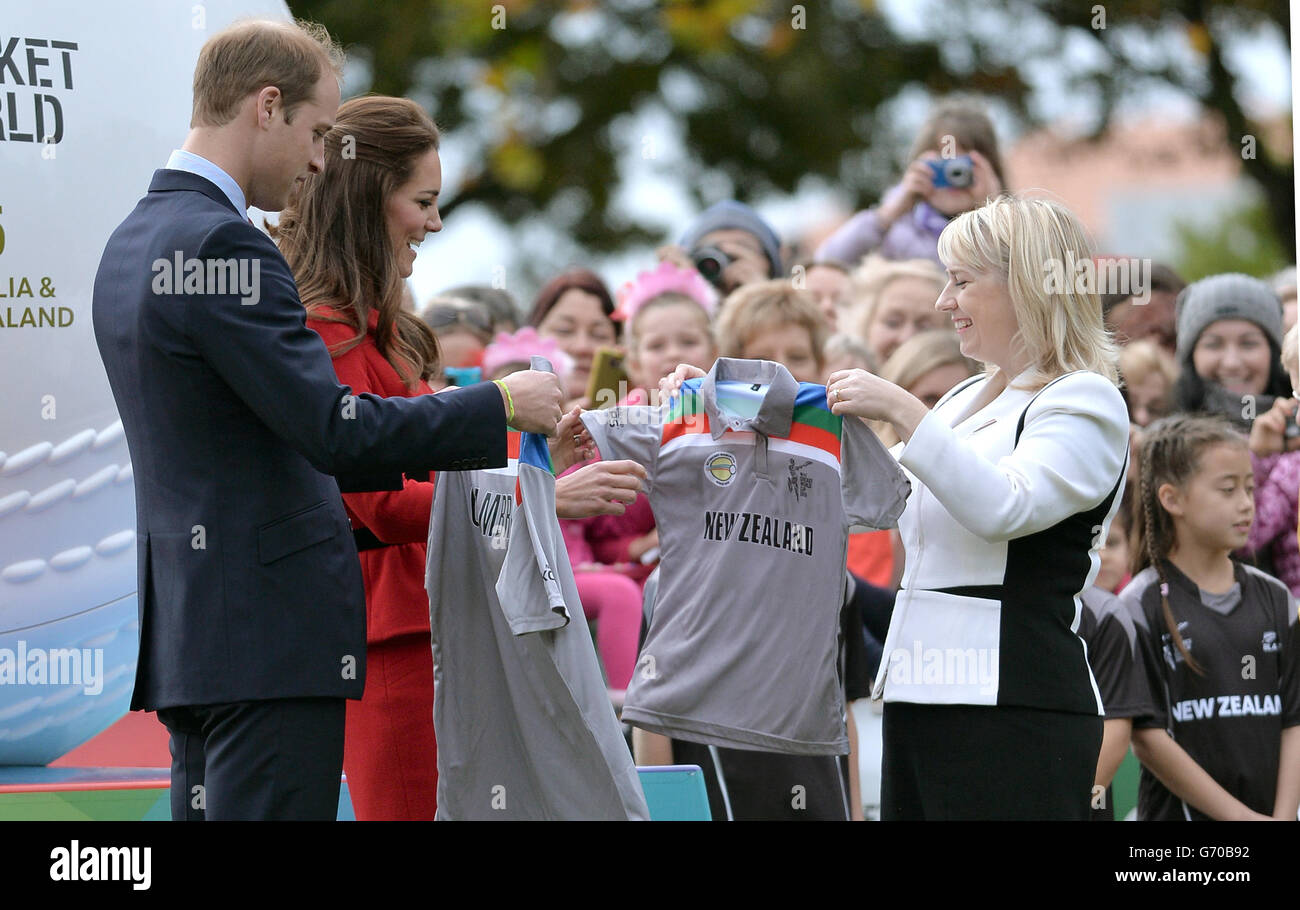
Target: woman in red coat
x=349 y=236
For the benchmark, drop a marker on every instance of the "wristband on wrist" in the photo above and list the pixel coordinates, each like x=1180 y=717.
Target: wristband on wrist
x=510 y=403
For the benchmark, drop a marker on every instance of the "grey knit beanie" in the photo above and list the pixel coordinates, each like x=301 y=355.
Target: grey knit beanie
x=737 y=215
x=1229 y=296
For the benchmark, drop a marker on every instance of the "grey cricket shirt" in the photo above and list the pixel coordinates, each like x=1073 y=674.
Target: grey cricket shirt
x=754 y=485
x=524 y=725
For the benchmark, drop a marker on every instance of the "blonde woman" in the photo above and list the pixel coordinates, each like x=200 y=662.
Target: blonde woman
x=991 y=710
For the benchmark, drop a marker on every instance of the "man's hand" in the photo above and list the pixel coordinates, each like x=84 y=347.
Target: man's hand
x=536 y=397
x=603 y=488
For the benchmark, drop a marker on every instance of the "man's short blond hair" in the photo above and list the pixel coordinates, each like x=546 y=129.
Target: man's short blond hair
x=254 y=53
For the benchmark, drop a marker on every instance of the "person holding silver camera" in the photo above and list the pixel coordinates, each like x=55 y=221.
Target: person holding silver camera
x=955 y=167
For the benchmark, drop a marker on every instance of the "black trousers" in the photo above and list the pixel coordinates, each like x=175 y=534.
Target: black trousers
x=973 y=762
x=275 y=759
x=769 y=786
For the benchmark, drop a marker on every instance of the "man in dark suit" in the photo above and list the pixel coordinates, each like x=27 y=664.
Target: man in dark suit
x=252 y=612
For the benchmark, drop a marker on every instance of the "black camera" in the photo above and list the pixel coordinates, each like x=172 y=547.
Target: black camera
x=711 y=262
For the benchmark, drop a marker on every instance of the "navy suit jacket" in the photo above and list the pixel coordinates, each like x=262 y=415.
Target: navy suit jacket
x=249 y=582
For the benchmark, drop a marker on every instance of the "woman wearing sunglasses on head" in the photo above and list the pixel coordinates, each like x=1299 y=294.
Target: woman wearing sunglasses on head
x=463 y=329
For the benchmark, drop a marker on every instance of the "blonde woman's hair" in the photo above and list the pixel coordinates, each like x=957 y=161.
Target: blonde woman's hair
x=1139 y=359
x=870 y=280
x=1291 y=351
x=918 y=355
x=764 y=304
x=1033 y=245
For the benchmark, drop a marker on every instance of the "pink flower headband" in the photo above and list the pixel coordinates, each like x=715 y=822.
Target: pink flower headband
x=666 y=279
x=519 y=347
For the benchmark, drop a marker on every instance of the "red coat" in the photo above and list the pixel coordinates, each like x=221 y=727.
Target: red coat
x=396 y=602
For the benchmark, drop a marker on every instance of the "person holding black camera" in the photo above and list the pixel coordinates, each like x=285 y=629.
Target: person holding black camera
x=954 y=167
x=730 y=245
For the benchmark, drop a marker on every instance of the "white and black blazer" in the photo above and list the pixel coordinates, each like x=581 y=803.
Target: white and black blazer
x=1002 y=532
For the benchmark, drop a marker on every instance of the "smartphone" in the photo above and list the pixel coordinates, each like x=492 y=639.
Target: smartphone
x=609 y=380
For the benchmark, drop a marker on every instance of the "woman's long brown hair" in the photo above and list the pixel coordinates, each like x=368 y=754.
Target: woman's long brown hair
x=1171 y=453
x=334 y=230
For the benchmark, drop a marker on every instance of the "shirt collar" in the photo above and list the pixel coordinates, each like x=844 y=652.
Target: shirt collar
x=775 y=414
x=182 y=160
x=1177 y=578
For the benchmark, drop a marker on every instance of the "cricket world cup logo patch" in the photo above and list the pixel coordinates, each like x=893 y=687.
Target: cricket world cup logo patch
x=721 y=468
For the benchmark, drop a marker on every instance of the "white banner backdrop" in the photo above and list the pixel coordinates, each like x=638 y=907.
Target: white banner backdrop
x=93 y=98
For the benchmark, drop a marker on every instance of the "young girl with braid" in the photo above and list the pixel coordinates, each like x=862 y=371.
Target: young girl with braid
x=1216 y=639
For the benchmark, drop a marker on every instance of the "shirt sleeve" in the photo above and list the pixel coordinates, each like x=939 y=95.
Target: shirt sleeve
x=393 y=517
x=874 y=489
x=854 y=239
x=1069 y=457
x=631 y=433
x=1148 y=674
x=281 y=370
x=1275 y=499
x=1290 y=666
x=1111 y=654
x=530 y=587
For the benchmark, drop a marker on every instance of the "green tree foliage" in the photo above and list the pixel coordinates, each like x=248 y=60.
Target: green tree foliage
x=1243 y=241
x=764 y=93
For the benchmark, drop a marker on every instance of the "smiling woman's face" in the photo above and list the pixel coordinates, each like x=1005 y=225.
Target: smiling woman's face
x=580 y=327
x=1235 y=354
x=981 y=310
x=906 y=307
x=412 y=210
